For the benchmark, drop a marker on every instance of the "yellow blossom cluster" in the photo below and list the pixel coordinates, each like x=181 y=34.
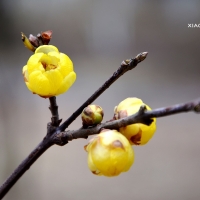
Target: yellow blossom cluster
x=110 y=152
x=50 y=73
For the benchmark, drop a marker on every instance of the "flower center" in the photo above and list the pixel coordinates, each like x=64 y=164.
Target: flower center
x=49 y=62
x=48 y=67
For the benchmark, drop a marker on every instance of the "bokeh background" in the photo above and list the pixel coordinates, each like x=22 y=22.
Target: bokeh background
x=98 y=35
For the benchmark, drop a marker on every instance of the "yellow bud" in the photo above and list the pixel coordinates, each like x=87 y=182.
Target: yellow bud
x=92 y=114
x=27 y=43
x=137 y=134
x=48 y=72
x=109 y=153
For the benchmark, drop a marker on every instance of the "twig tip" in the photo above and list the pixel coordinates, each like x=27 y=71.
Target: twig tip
x=141 y=56
x=197 y=108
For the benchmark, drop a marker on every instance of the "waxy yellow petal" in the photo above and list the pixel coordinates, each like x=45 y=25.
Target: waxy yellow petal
x=39 y=83
x=46 y=49
x=66 y=64
x=34 y=63
x=67 y=83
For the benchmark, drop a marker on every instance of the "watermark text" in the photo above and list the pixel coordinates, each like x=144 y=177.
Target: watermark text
x=193 y=25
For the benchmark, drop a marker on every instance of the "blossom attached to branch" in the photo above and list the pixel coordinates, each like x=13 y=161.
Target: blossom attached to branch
x=142 y=116
x=48 y=72
x=109 y=153
x=137 y=134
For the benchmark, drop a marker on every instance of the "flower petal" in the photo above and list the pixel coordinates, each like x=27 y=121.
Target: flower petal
x=66 y=65
x=25 y=73
x=40 y=84
x=34 y=63
x=55 y=80
x=54 y=54
x=67 y=83
x=46 y=49
x=92 y=167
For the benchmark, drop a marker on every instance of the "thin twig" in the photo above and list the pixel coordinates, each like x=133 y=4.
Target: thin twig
x=142 y=116
x=54 y=111
x=126 y=65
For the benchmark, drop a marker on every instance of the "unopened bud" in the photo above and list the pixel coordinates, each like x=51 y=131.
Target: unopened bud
x=141 y=56
x=33 y=40
x=46 y=37
x=92 y=115
x=27 y=43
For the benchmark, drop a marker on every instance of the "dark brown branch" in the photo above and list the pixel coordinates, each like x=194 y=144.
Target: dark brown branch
x=24 y=166
x=142 y=116
x=126 y=65
x=54 y=112
x=46 y=143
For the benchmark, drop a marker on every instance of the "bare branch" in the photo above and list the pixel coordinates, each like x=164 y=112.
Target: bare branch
x=126 y=65
x=24 y=166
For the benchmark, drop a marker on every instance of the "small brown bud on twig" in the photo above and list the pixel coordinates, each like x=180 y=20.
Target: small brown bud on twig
x=140 y=57
x=27 y=43
x=46 y=37
x=33 y=40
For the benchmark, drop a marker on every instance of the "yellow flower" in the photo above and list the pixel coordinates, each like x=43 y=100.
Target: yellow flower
x=109 y=153
x=48 y=72
x=137 y=134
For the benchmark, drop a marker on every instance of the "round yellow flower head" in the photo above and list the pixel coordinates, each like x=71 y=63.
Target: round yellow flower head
x=48 y=72
x=137 y=134
x=92 y=114
x=109 y=153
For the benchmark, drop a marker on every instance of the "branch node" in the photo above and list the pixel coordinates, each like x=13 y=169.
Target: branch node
x=60 y=140
x=142 y=110
x=126 y=62
x=50 y=129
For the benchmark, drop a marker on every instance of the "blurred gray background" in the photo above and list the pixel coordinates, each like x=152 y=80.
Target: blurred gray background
x=98 y=35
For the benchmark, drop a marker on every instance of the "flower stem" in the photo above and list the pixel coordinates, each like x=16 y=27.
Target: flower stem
x=54 y=111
